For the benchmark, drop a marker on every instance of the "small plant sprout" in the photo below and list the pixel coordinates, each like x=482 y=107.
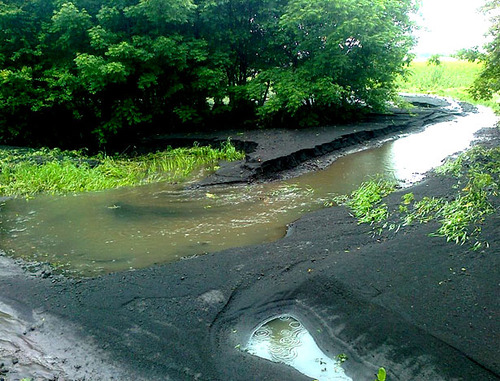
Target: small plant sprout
x=342 y=357
x=381 y=375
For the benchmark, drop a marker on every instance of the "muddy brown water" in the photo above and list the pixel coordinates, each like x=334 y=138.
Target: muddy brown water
x=100 y=232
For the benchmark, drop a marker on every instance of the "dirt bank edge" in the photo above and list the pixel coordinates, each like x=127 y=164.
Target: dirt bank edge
x=270 y=152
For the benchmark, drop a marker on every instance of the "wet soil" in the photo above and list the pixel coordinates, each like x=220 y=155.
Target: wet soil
x=423 y=308
x=278 y=153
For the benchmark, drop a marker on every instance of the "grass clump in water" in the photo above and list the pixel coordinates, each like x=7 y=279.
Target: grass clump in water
x=26 y=172
x=365 y=202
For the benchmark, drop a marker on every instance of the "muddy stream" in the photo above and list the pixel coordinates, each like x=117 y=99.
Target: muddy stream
x=118 y=230
x=96 y=233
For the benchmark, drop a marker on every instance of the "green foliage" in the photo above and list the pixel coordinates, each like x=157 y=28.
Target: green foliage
x=450 y=78
x=487 y=85
x=342 y=358
x=451 y=166
x=460 y=219
x=27 y=172
x=381 y=375
x=435 y=60
x=471 y=55
x=406 y=200
x=341 y=55
x=424 y=210
x=365 y=202
x=95 y=72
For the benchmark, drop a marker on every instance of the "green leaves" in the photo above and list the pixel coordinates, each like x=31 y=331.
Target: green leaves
x=488 y=82
x=134 y=64
x=96 y=73
x=381 y=375
x=365 y=202
x=70 y=26
x=161 y=12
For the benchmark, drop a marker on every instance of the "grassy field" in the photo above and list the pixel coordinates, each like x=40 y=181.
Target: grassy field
x=450 y=79
x=25 y=172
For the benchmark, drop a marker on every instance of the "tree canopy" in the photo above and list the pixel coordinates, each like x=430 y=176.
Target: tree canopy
x=488 y=82
x=83 y=71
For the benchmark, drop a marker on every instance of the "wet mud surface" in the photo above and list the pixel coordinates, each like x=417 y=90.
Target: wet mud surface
x=422 y=308
x=271 y=153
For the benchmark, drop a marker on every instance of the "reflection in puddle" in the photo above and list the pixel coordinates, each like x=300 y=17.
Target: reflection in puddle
x=102 y=232
x=285 y=340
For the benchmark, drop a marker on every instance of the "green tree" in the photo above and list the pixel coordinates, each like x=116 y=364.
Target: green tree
x=471 y=54
x=488 y=82
x=84 y=71
x=339 y=56
x=243 y=39
x=91 y=75
x=435 y=60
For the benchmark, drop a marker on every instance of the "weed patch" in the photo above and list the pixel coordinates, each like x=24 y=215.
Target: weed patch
x=460 y=218
x=27 y=172
x=365 y=202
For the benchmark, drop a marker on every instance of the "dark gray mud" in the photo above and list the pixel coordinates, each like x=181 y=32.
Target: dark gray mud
x=271 y=152
x=422 y=308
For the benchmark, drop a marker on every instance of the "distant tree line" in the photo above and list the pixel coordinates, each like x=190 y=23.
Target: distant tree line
x=94 y=71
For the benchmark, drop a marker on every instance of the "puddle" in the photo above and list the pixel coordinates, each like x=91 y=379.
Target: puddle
x=101 y=232
x=285 y=340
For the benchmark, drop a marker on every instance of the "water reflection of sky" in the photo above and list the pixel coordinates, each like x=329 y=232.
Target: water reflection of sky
x=285 y=340
x=418 y=153
x=405 y=160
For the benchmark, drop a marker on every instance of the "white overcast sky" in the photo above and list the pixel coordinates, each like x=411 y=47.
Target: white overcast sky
x=450 y=25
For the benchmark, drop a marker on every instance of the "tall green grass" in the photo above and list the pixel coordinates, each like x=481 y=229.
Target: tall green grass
x=27 y=172
x=449 y=79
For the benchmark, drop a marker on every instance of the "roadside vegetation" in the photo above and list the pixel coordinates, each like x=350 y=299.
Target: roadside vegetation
x=25 y=172
x=366 y=201
x=459 y=217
